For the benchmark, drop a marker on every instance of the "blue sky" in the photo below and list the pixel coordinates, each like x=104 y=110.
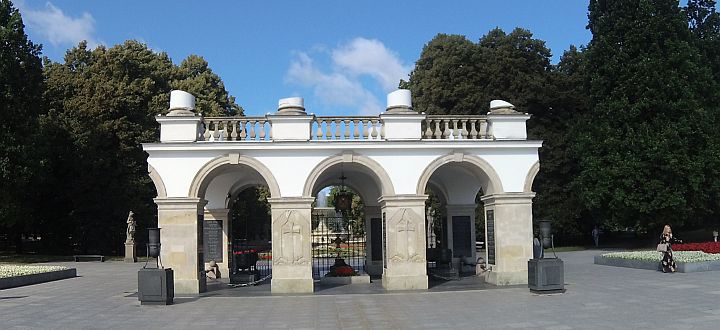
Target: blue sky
x=343 y=57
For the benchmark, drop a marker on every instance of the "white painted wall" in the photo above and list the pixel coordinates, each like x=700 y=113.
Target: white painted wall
x=291 y=164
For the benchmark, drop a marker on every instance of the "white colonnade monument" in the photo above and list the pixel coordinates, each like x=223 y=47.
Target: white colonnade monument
x=390 y=160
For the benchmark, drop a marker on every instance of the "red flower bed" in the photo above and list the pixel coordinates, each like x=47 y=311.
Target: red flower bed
x=342 y=271
x=708 y=247
x=244 y=251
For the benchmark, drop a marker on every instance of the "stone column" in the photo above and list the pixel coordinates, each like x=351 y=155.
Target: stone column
x=181 y=241
x=460 y=213
x=222 y=215
x=508 y=233
x=373 y=219
x=404 y=258
x=291 y=245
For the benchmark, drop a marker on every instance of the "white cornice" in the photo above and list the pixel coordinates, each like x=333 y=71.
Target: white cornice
x=343 y=145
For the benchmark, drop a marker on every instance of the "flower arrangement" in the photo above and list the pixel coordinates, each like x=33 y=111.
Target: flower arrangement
x=341 y=271
x=708 y=247
x=680 y=256
x=21 y=270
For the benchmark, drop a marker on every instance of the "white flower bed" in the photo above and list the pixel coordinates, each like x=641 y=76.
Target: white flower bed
x=680 y=256
x=20 y=270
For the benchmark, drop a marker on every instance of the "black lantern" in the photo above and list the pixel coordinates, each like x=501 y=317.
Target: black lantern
x=153 y=247
x=545 y=233
x=343 y=198
x=343 y=201
x=153 y=242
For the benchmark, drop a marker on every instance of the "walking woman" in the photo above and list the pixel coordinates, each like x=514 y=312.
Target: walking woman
x=668 y=262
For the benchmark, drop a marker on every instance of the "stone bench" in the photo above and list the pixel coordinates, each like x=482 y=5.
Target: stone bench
x=77 y=257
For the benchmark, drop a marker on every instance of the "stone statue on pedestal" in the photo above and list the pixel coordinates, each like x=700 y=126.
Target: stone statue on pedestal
x=130 y=253
x=130 y=228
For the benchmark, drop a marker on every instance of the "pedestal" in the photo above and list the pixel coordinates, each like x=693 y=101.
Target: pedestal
x=156 y=286
x=546 y=275
x=130 y=252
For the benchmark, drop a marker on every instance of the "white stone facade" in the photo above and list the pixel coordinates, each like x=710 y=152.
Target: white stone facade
x=200 y=163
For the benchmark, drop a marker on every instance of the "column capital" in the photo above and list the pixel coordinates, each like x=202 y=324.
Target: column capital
x=177 y=203
x=402 y=200
x=508 y=198
x=291 y=202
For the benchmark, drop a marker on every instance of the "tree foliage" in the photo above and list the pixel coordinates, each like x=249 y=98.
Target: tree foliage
x=20 y=88
x=101 y=106
x=641 y=146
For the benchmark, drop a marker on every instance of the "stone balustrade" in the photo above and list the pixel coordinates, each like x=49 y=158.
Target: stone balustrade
x=217 y=129
x=357 y=128
x=292 y=124
x=347 y=128
x=446 y=127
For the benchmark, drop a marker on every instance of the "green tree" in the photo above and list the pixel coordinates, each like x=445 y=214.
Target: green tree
x=640 y=144
x=20 y=89
x=555 y=199
x=195 y=77
x=456 y=76
x=102 y=105
x=445 y=79
x=704 y=23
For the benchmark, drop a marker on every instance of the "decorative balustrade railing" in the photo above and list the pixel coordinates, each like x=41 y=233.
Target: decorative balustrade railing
x=236 y=129
x=352 y=128
x=448 y=127
x=347 y=128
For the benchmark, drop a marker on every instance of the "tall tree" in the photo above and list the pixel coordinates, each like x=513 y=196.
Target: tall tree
x=638 y=145
x=20 y=89
x=456 y=76
x=704 y=23
x=102 y=105
x=445 y=78
x=196 y=77
x=555 y=199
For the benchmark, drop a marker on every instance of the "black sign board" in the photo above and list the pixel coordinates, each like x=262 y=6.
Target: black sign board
x=461 y=236
x=213 y=240
x=384 y=240
x=376 y=241
x=490 y=228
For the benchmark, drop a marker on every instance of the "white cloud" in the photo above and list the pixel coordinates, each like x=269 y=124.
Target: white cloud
x=371 y=57
x=341 y=84
x=58 y=28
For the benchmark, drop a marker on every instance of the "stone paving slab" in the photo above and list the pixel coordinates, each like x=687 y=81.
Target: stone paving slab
x=597 y=297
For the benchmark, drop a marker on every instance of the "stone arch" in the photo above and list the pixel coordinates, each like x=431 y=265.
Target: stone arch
x=157 y=181
x=530 y=178
x=494 y=182
x=379 y=172
x=200 y=182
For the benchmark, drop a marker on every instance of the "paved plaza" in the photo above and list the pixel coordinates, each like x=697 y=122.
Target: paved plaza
x=598 y=297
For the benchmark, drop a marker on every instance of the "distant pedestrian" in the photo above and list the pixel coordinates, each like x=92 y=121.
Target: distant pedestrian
x=668 y=262
x=596 y=236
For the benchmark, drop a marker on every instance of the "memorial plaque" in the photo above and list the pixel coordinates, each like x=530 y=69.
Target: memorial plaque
x=490 y=228
x=461 y=236
x=376 y=242
x=213 y=240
